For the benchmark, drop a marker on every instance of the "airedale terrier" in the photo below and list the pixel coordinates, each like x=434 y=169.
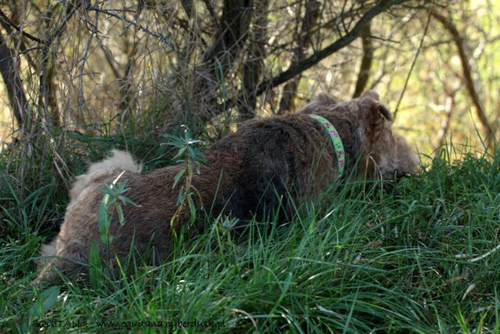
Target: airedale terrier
x=268 y=163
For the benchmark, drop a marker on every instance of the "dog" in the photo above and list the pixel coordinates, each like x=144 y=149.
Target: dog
x=278 y=162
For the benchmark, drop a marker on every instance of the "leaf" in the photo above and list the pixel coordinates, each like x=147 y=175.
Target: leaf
x=95 y=264
x=230 y=222
x=180 y=198
x=103 y=221
x=181 y=152
x=192 y=209
x=108 y=187
x=121 y=218
x=126 y=200
x=178 y=177
x=122 y=185
x=44 y=302
x=107 y=191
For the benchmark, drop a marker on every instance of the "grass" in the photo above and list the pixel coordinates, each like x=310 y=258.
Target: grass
x=413 y=260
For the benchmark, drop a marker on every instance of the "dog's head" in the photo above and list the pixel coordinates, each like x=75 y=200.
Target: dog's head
x=382 y=153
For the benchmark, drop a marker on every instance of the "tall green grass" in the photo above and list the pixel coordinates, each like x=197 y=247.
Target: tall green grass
x=420 y=259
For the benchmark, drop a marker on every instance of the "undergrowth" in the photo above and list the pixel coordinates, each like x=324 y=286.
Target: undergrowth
x=421 y=258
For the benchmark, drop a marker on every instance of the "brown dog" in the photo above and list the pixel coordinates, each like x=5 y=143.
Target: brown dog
x=268 y=163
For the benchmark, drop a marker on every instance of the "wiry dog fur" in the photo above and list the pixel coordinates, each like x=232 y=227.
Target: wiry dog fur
x=266 y=164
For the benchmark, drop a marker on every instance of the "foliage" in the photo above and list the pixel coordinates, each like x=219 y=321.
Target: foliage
x=113 y=195
x=192 y=158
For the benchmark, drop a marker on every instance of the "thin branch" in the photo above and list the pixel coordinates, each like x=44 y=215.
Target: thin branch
x=6 y=19
x=162 y=38
x=307 y=63
x=414 y=60
x=45 y=59
x=445 y=123
x=211 y=10
x=312 y=11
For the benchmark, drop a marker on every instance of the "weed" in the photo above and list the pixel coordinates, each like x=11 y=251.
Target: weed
x=191 y=156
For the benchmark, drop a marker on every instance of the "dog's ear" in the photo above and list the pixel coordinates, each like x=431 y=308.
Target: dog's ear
x=324 y=98
x=384 y=111
x=377 y=113
x=371 y=94
x=377 y=108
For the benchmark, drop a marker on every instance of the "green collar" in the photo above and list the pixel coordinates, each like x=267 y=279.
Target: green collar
x=336 y=141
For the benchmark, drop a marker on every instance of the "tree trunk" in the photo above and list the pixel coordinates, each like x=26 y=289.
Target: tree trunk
x=252 y=71
x=10 y=75
x=366 y=61
x=307 y=63
x=459 y=41
x=220 y=57
x=304 y=40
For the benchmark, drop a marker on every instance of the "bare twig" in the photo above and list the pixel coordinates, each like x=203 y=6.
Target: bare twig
x=221 y=55
x=312 y=10
x=164 y=39
x=45 y=58
x=448 y=109
x=6 y=19
x=414 y=60
x=329 y=50
x=309 y=62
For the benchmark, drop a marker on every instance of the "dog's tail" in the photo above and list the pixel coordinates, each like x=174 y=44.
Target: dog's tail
x=56 y=255
x=118 y=162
